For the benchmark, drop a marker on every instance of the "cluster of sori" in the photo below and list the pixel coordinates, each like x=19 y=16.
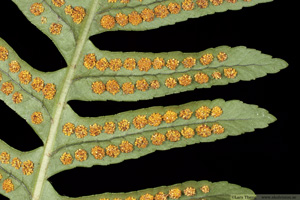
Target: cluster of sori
x=172 y=193
x=160 y=11
x=113 y=87
x=121 y=1
x=140 y=142
x=7 y=184
x=145 y=64
x=141 y=121
x=25 y=77
x=26 y=166
x=77 y=14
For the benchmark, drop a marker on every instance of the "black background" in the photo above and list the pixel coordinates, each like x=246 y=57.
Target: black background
x=264 y=160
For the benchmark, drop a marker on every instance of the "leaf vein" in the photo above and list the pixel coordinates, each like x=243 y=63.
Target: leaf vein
x=131 y=7
x=155 y=74
x=18 y=180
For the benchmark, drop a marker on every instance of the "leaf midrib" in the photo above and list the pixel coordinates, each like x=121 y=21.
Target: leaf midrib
x=129 y=7
x=58 y=110
x=165 y=73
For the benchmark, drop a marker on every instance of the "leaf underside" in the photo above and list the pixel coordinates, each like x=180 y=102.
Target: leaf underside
x=217 y=190
x=71 y=141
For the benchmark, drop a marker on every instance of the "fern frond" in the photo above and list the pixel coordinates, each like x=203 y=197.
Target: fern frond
x=92 y=74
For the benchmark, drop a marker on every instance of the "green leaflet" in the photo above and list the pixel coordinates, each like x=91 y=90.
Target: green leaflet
x=218 y=190
x=65 y=42
x=14 y=170
x=33 y=100
x=135 y=6
x=236 y=118
x=249 y=64
x=41 y=98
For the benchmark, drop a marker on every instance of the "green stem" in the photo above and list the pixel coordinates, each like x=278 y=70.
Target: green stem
x=61 y=102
